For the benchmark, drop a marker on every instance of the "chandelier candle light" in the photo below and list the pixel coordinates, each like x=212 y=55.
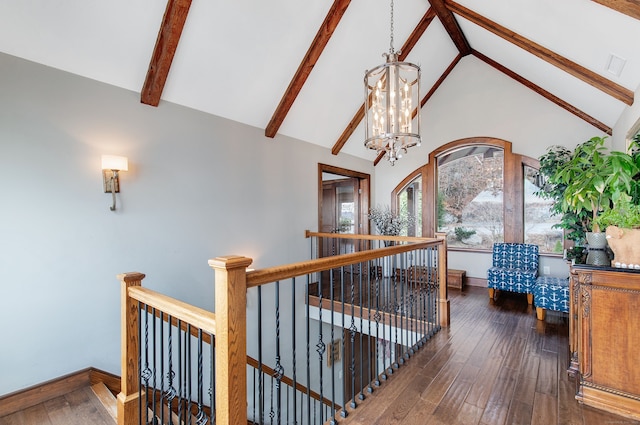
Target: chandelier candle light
x=392 y=101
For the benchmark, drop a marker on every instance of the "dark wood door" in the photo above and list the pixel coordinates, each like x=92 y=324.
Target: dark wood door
x=340 y=213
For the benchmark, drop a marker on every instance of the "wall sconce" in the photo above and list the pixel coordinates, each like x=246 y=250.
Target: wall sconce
x=111 y=165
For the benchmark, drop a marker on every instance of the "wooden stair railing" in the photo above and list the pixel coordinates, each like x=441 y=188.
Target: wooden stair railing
x=181 y=314
x=229 y=323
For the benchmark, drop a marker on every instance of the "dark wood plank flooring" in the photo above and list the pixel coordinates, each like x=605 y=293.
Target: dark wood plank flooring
x=79 y=407
x=495 y=365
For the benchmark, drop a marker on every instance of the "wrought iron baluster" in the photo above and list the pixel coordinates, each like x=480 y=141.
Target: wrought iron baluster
x=278 y=370
x=182 y=339
x=436 y=260
x=401 y=312
x=369 y=318
x=201 y=417
x=308 y=340
x=409 y=309
x=333 y=375
x=396 y=307
x=362 y=372
x=146 y=373
x=378 y=317
x=320 y=346
x=293 y=343
x=171 y=391
x=423 y=300
x=352 y=335
x=253 y=392
x=189 y=367
x=260 y=370
x=155 y=362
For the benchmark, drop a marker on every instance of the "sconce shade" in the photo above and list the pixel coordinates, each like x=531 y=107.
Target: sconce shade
x=114 y=162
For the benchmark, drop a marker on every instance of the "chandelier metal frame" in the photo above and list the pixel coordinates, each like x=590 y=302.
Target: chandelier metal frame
x=392 y=105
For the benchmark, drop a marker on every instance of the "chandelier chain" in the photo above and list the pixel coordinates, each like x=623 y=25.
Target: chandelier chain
x=391 y=50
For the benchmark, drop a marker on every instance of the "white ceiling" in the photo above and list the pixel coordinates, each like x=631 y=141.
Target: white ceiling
x=236 y=58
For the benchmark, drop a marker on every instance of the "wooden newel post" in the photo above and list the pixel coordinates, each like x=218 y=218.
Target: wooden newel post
x=443 y=297
x=231 y=339
x=127 y=401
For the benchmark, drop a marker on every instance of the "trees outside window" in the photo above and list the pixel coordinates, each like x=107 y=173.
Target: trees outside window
x=470 y=190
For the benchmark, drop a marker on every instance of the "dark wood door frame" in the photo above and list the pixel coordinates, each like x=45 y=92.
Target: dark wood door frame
x=363 y=192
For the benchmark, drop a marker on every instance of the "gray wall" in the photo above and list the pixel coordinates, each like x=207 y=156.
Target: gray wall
x=198 y=186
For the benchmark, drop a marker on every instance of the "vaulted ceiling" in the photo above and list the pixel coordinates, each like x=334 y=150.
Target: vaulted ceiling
x=296 y=67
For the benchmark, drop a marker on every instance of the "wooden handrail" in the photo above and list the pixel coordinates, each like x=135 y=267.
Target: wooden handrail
x=177 y=309
x=354 y=236
x=273 y=274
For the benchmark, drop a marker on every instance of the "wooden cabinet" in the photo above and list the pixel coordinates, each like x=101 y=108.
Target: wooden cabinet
x=605 y=338
x=455 y=278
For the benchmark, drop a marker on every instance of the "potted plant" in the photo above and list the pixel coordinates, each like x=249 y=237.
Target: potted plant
x=584 y=181
x=624 y=213
x=622 y=223
x=575 y=225
x=585 y=176
x=387 y=222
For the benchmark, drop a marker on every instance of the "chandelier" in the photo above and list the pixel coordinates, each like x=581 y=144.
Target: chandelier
x=392 y=101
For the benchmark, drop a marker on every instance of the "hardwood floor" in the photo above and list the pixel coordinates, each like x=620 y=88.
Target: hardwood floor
x=495 y=365
x=79 y=407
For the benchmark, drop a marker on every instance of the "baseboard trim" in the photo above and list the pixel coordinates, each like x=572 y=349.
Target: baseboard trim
x=111 y=381
x=476 y=281
x=28 y=397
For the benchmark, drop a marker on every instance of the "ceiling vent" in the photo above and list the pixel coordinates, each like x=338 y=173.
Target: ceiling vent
x=615 y=64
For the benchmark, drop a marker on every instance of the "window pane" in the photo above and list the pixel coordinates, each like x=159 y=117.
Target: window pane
x=538 y=221
x=470 y=196
x=346 y=207
x=410 y=204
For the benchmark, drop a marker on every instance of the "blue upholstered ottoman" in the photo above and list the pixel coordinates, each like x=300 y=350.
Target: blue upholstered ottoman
x=551 y=293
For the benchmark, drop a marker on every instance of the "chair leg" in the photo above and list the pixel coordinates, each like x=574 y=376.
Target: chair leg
x=530 y=299
x=492 y=292
x=541 y=313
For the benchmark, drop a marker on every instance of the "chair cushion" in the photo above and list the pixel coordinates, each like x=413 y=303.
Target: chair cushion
x=552 y=293
x=508 y=279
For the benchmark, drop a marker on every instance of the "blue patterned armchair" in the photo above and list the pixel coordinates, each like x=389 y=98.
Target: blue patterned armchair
x=515 y=269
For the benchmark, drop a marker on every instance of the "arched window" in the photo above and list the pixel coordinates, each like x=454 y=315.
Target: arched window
x=479 y=192
x=408 y=202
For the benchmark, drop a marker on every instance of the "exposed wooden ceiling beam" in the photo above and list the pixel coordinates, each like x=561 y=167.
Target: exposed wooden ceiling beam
x=542 y=92
x=427 y=96
x=173 y=21
x=628 y=7
x=321 y=39
x=451 y=25
x=413 y=38
x=609 y=87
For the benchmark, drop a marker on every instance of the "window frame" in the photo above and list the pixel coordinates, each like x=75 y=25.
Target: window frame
x=513 y=188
